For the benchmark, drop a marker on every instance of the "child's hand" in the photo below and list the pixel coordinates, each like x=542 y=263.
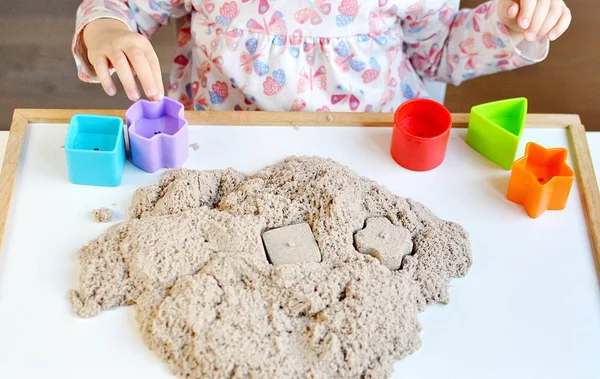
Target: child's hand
x=110 y=44
x=534 y=19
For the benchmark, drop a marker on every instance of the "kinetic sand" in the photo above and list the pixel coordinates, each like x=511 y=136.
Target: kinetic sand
x=210 y=304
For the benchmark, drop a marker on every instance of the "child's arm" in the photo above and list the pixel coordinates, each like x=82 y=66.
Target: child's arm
x=112 y=36
x=451 y=46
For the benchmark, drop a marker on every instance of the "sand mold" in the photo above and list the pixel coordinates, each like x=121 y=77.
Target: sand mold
x=209 y=303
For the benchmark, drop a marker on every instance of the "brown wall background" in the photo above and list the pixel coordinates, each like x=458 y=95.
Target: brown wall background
x=37 y=70
x=568 y=81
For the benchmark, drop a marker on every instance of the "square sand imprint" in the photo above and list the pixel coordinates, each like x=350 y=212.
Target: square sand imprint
x=292 y=244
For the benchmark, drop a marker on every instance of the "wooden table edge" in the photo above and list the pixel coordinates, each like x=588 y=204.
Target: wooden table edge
x=588 y=186
x=459 y=120
x=10 y=168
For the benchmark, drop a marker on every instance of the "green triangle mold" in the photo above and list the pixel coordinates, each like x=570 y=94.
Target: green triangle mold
x=495 y=129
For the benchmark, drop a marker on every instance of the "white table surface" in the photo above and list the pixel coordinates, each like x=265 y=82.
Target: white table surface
x=527 y=306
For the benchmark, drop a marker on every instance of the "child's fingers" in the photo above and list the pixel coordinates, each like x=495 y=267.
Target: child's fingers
x=156 y=72
x=508 y=11
x=101 y=68
x=539 y=16
x=512 y=10
x=562 y=24
x=526 y=14
x=142 y=69
x=121 y=64
x=556 y=10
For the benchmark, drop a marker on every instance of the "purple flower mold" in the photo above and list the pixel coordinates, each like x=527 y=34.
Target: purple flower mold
x=158 y=134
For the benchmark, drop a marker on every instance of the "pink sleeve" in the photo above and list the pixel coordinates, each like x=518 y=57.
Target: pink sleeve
x=143 y=16
x=449 y=46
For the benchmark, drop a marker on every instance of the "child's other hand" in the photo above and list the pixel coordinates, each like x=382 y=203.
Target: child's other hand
x=534 y=19
x=110 y=44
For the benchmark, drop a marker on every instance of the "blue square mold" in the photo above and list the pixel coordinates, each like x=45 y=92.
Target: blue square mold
x=95 y=148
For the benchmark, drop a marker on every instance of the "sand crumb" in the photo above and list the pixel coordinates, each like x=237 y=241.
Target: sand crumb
x=195 y=146
x=209 y=303
x=103 y=215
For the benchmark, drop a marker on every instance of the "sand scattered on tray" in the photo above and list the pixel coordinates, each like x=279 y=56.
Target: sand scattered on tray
x=208 y=302
x=103 y=215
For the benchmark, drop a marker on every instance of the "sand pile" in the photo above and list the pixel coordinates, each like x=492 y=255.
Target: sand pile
x=210 y=304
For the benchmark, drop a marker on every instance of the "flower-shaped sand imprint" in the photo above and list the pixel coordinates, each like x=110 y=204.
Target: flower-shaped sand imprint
x=385 y=241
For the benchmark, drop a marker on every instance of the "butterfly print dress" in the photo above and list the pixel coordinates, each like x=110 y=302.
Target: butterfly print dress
x=320 y=55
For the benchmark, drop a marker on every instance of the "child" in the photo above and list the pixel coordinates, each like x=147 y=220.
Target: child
x=319 y=55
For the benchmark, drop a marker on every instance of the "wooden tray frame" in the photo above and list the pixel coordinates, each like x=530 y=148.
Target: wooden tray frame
x=584 y=170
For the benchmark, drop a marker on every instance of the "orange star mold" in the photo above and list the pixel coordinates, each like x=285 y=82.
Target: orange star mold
x=541 y=180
